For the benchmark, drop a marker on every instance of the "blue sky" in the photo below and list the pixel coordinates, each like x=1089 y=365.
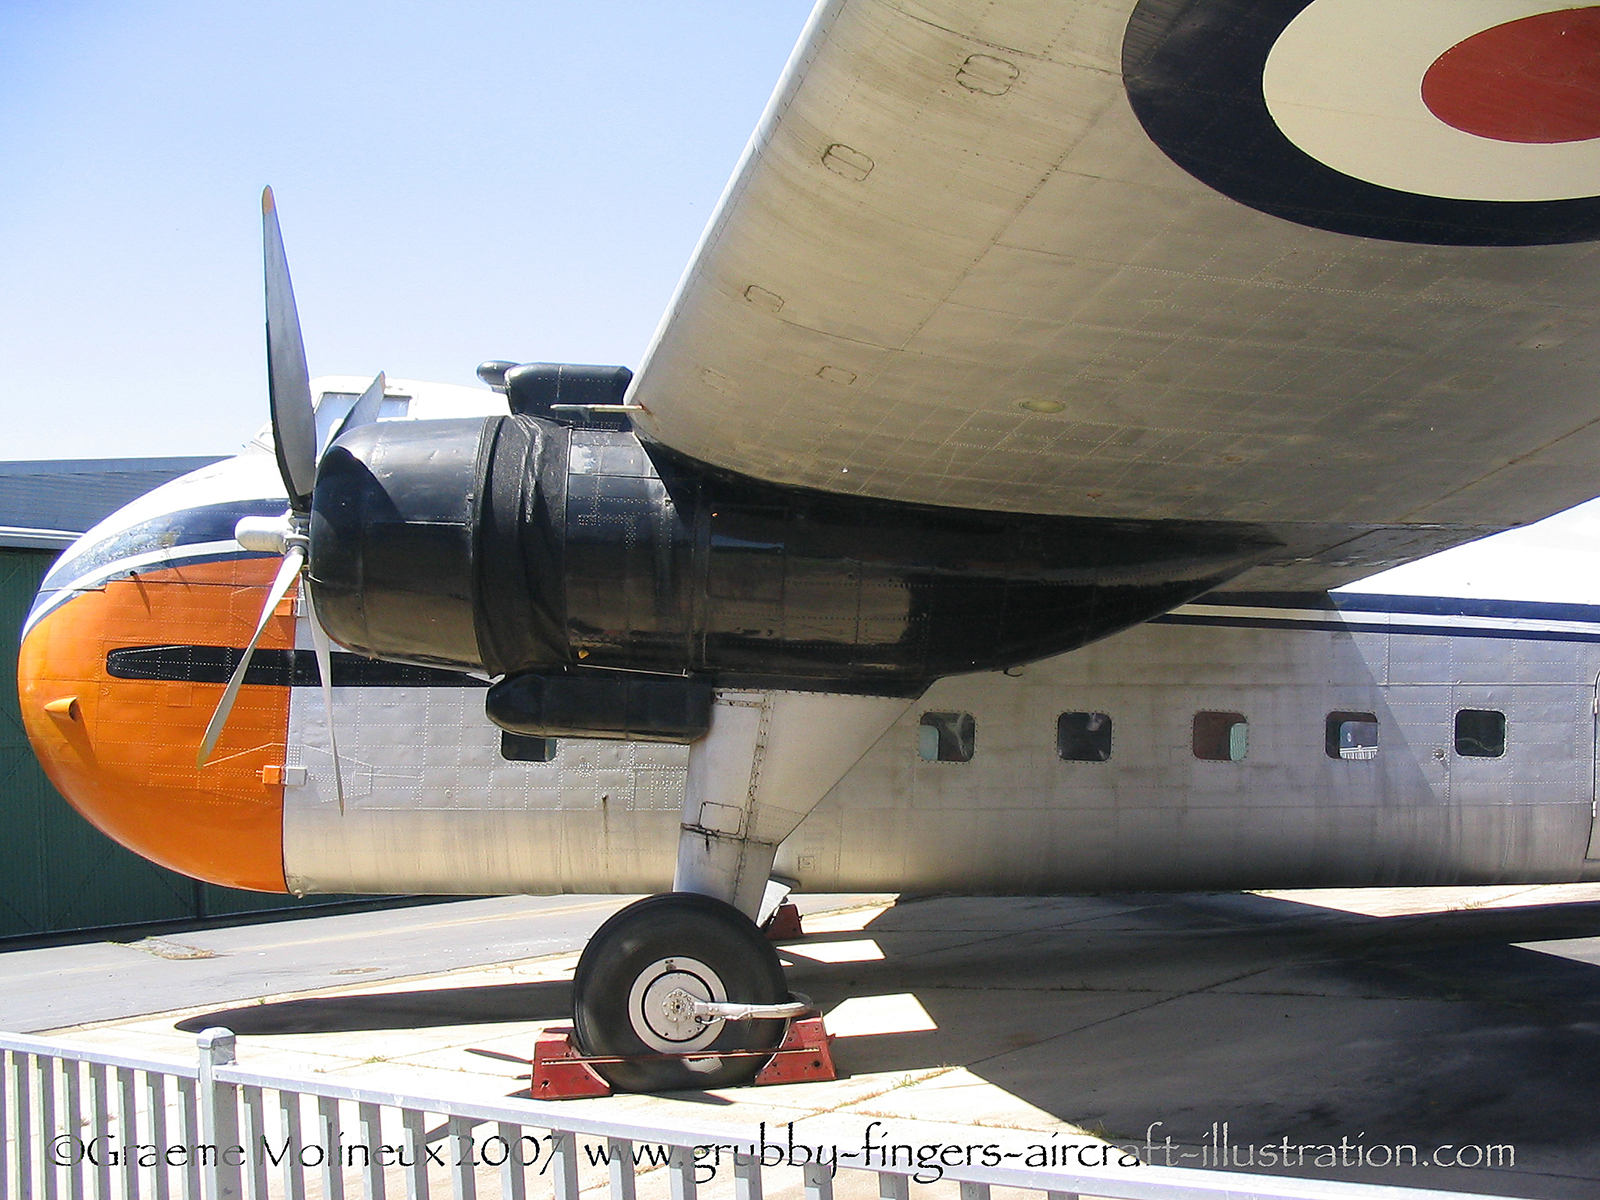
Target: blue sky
x=456 y=182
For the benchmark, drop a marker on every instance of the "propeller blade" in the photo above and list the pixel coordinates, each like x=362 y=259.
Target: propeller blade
x=319 y=638
x=365 y=410
x=294 y=421
x=286 y=574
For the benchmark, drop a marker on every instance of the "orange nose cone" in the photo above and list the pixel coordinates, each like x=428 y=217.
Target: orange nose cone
x=123 y=750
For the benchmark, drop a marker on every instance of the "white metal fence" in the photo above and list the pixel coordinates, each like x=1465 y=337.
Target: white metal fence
x=79 y=1122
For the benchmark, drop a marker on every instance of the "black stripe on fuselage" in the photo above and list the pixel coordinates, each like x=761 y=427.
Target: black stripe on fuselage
x=1520 y=635
x=1425 y=606
x=1351 y=613
x=273 y=668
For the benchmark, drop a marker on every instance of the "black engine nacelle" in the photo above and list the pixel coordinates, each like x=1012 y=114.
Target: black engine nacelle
x=512 y=544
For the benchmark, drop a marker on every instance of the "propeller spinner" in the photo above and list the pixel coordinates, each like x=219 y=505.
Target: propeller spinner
x=294 y=440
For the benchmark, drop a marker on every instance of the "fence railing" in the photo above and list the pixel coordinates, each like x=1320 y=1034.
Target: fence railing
x=79 y=1122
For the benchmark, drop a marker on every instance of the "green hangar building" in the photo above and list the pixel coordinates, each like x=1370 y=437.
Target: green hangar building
x=59 y=876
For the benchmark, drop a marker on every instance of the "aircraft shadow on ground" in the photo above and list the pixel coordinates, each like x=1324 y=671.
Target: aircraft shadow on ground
x=1276 y=1017
x=421 y=1009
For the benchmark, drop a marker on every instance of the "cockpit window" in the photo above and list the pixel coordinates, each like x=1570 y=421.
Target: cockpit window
x=142 y=543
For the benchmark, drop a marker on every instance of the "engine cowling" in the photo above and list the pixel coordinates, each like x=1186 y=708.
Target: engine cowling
x=514 y=544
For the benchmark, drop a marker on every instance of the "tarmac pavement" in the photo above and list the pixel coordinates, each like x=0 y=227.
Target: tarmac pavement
x=1235 y=1024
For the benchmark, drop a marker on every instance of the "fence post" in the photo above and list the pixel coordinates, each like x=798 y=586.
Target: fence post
x=680 y=1174
x=624 y=1186
x=222 y=1157
x=564 y=1164
x=747 y=1177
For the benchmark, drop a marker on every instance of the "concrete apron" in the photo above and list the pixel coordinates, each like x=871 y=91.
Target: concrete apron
x=1225 y=1022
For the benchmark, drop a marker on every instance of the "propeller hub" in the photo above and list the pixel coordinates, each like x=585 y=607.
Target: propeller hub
x=271 y=535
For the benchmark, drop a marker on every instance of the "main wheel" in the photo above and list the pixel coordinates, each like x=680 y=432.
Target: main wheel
x=640 y=972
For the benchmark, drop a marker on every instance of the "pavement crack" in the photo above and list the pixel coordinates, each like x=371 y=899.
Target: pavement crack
x=1142 y=1008
x=162 y=948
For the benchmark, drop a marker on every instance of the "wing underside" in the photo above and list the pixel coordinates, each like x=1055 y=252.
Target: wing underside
x=1039 y=256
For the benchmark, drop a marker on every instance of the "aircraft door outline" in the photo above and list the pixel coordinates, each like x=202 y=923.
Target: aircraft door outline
x=1593 y=850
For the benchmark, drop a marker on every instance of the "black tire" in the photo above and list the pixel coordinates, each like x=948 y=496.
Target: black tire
x=678 y=936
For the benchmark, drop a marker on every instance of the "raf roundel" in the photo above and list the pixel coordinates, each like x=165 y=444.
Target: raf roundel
x=1449 y=122
x=1535 y=80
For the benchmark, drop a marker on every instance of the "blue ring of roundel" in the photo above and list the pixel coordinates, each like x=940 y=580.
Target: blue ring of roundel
x=1193 y=70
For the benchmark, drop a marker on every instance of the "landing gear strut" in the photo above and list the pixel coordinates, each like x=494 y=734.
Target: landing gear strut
x=664 y=987
x=659 y=983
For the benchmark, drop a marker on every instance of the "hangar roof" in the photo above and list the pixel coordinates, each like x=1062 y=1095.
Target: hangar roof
x=46 y=504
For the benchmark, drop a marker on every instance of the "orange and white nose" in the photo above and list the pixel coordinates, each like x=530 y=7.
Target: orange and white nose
x=122 y=750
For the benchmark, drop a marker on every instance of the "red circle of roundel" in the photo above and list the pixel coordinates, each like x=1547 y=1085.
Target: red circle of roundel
x=1536 y=80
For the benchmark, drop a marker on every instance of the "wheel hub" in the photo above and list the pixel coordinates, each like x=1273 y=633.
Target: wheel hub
x=661 y=1005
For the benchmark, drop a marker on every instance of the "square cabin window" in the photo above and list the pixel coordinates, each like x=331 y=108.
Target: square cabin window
x=1352 y=736
x=515 y=747
x=1480 y=733
x=1221 y=736
x=1083 y=737
x=946 y=736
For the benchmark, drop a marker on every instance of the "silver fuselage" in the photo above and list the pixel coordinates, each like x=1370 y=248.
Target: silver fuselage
x=434 y=806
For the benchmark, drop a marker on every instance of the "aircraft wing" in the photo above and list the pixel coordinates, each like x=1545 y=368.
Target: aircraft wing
x=1200 y=259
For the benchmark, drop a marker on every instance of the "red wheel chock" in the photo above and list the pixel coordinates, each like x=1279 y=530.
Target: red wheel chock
x=561 y=1073
x=784 y=925
x=804 y=1057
